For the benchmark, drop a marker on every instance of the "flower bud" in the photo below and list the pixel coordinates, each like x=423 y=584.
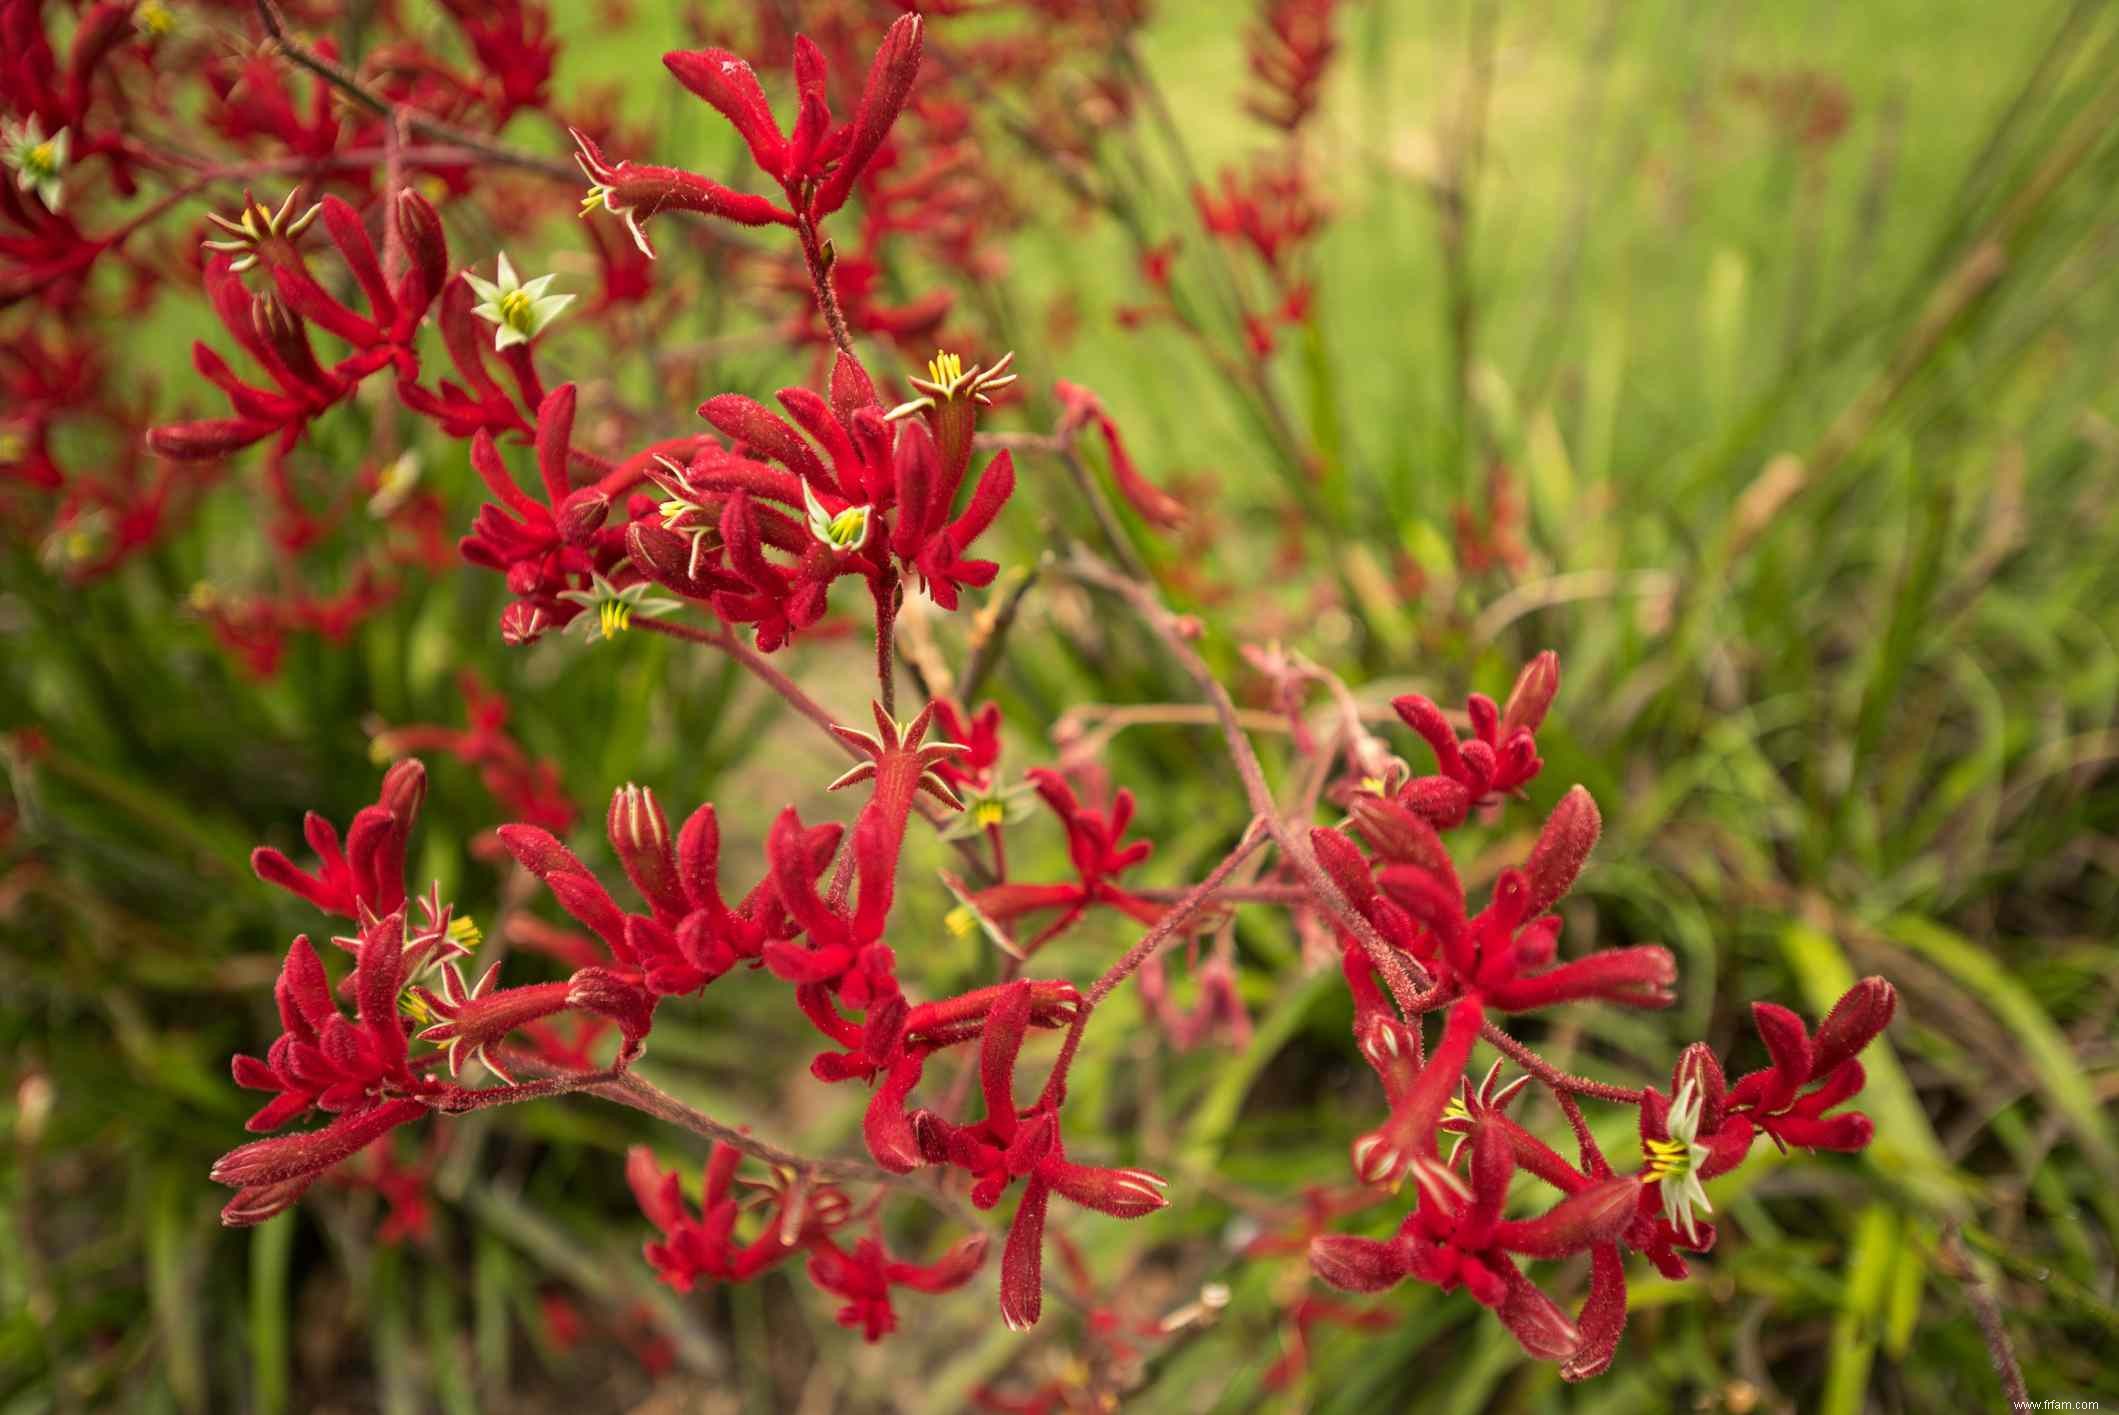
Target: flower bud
x=205 y=440
x=1569 y=835
x=730 y=85
x=890 y=79
x=1854 y=1021
x=1699 y=1065
x=640 y=836
x=582 y=514
x=1532 y=696
x=426 y=251
x=1594 y=1215
x=1359 y=1264
x=1121 y=1193
x=522 y=623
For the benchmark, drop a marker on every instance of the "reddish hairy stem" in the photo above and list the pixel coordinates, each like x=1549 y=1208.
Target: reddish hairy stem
x=1560 y=1082
x=629 y=1090
x=1405 y=979
x=1163 y=930
x=827 y=298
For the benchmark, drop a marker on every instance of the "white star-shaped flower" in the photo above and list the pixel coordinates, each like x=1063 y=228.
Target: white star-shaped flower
x=38 y=162
x=520 y=308
x=1675 y=1163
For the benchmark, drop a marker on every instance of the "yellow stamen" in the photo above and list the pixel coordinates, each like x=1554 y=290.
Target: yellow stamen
x=1669 y=1158
x=944 y=368
x=960 y=921
x=515 y=309
x=464 y=932
x=989 y=813
x=616 y=618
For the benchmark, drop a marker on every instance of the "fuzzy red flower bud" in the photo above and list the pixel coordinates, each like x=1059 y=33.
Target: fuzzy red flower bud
x=1563 y=846
x=1857 y=1019
x=730 y=85
x=1358 y=1264
x=890 y=79
x=1535 y=688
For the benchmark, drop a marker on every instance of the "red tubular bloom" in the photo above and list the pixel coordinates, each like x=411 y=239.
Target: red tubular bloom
x=270 y=1175
x=635 y=191
x=862 y=493
x=815 y=167
x=1456 y=1237
x=706 y=1246
x=1417 y=1094
x=1289 y=51
x=1773 y=1099
x=1011 y=1144
x=691 y=935
x=1082 y=408
x=369 y=874
x=865 y=1276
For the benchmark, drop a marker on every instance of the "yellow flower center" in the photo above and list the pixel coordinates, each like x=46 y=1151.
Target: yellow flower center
x=515 y=309
x=616 y=617
x=1669 y=1159
x=989 y=812
x=155 y=19
x=960 y=921
x=464 y=932
x=43 y=159
x=944 y=368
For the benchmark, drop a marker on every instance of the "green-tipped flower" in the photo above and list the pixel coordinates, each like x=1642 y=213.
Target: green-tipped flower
x=520 y=308
x=38 y=162
x=848 y=530
x=614 y=609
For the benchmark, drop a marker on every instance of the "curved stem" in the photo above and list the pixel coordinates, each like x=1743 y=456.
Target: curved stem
x=626 y=1089
x=1163 y=930
x=1405 y=979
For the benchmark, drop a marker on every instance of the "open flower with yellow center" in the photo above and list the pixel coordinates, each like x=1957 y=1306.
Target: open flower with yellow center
x=256 y=226
x=843 y=530
x=613 y=610
x=1675 y=1163
x=986 y=810
x=948 y=381
x=520 y=308
x=38 y=162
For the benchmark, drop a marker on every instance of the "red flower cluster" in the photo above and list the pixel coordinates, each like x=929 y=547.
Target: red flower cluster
x=1501 y=959
x=756 y=520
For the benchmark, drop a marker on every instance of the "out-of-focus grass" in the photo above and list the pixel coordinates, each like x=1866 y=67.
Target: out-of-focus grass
x=1848 y=711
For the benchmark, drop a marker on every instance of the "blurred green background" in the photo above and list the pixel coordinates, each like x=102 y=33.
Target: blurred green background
x=1792 y=325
